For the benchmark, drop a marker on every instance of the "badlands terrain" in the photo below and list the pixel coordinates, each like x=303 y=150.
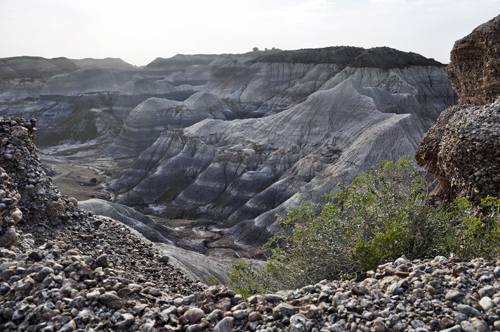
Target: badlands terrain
x=223 y=143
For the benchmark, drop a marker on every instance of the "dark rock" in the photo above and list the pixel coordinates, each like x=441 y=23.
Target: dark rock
x=455 y=328
x=36 y=255
x=468 y=310
x=284 y=309
x=224 y=325
x=43 y=273
x=69 y=327
x=9 y=238
x=194 y=315
x=454 y=295
x=102 y=260
x=111 y=300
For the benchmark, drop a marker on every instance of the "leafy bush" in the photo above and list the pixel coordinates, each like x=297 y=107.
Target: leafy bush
x=381 y=216
x=244 y=279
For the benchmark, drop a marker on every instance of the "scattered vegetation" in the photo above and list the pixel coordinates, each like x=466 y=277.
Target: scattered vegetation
x=384 y=214
x=245 y=280
x=213 y=281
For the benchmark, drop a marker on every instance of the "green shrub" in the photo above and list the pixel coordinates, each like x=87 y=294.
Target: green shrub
x=381 y=216
x=212 y=280
x=244 y=279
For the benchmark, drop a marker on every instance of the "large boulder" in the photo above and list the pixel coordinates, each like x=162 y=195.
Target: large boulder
x=462 y=150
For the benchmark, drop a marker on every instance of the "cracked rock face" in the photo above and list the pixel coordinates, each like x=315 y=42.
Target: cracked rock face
x=462 y=150
x=474 y=69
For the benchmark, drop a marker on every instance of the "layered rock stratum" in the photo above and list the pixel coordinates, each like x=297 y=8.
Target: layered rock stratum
x=150 y=118
x=325 y=121
x=462 y=150
x=22 y=78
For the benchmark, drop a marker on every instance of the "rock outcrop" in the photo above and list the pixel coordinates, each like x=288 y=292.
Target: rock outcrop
x=462 y=150
x=73 y=271
x=135 y=92
x=39 y=199
x=85 y=107
x=58 y=248
x=76 y=107
x=474 y=69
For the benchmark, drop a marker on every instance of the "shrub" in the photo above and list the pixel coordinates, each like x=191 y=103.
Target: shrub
x=381 y=216
x=244 y=279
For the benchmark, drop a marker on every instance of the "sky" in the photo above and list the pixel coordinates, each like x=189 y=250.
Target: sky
x=140 y=31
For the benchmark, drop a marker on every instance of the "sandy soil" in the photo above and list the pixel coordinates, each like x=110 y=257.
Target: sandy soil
x=81 y=182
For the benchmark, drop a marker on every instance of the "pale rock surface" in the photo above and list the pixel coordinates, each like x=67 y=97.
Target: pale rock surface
x=150 y=118
x=137 y=91
x=86 y=80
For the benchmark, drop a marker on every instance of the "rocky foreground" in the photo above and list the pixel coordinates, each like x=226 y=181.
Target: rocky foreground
x=94 y=275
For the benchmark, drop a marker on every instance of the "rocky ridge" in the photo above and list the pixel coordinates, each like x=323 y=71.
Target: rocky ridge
x=255 y=133
x=102 y=63
x=89 y=283
x=19 y=159
x=35 y=268
x=88 y=105
x=22 y=79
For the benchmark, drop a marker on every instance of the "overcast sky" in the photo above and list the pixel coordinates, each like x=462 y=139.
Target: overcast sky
x=140 y=31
